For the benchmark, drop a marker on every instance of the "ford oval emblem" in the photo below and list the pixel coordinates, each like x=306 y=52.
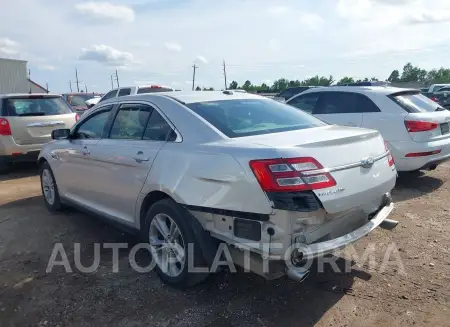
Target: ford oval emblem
x=367 y=162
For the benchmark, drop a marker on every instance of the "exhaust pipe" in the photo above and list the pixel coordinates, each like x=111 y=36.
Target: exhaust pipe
x=389 y=224
x=299 y=275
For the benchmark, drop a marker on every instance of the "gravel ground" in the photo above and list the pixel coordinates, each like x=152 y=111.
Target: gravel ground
x=416 y=294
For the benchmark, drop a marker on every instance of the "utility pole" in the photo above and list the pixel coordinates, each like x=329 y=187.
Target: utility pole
x=112 y=82
x=85 y=87
x=47 y=86
x=70 y=85
x=29 y=79
x=117 y=79
x=76 y=80
x=193 y=77
x=225 y=74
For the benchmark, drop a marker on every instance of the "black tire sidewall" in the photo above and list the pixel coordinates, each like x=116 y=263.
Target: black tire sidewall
x=176 y=212
x=56 y=206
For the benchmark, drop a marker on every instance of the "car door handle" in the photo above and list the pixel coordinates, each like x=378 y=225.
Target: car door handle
x=139 y=157
x=85 y=151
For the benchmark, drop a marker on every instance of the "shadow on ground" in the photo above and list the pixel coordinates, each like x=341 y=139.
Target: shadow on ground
x=20 y=170
x=414 y=185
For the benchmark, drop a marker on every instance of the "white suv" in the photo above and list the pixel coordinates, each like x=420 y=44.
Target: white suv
x=130 y=90
x=415 y=127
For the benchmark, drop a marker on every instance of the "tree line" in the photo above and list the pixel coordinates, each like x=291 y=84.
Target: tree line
x=409 y=74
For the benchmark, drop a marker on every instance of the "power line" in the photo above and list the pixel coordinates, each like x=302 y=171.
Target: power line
x=225 y=74
x=193 y=76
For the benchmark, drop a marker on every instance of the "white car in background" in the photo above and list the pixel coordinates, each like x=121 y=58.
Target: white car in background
x=129 y=90
x=415 y=127
x=204 y=168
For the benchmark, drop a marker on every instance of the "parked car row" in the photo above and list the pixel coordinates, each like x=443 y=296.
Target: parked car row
x=189 y=171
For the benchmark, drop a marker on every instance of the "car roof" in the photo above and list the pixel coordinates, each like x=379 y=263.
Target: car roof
x=24 y=95
x=190 y=96
x=382 y=90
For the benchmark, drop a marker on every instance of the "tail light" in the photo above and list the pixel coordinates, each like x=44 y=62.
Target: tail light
x=419 y=126
x=294 y=174
x=5 y=128
x=77 y=117
x=390 y=157
x=434 y=99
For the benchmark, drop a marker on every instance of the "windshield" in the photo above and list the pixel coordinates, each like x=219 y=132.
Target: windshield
x=153 y=90
x=43 y=106
x=79 y=99
x=416 y=102
x=245 y=117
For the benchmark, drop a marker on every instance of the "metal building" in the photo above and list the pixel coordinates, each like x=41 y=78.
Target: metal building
x=13 y=76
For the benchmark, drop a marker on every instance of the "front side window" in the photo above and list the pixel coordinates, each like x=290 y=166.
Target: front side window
x=123 y=92
x=306 y=102
x=36 y=106
x=109 y=95
x=246 y=117
x=130 y=122
x=92 y=127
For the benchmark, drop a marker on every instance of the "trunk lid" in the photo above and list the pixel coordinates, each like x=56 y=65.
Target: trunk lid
x=341 y=151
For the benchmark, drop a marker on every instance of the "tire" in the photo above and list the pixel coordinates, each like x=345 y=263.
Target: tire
x=175 y=274
x=49 y=188
x=4 y=166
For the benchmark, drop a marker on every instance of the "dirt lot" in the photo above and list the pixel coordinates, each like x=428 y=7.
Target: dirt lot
x=365 y=297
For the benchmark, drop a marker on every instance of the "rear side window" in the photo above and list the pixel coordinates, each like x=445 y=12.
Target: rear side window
x=130 y=122
x=123 y=92
x=415 y=102
x=238 y=118
x=157 y=128
x=36 y=106
x=344 y=102
x=153 y=90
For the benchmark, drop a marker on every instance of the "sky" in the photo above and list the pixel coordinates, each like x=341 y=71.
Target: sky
x=158 y=41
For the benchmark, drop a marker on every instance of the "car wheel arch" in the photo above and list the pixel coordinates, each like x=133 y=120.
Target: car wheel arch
x=148 y=201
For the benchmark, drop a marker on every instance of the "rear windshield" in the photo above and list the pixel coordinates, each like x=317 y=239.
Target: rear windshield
x=415 y=102
x=237 y=118
x=79 y=99
x=42 y=106
x=153 y=90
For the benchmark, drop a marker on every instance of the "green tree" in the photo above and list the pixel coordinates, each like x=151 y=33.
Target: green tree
x=346 y=80
x=413 y=74
x=198 y=88
x=318 y=81
x=280 y=85
x=247 y=85
x=233 y=85
x=394 y=77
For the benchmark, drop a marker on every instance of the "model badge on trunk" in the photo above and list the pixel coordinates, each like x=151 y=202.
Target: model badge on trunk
x=337 y=190
x=367 y=162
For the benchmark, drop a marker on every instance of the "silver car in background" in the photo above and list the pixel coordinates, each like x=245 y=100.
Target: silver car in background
x=189 y=171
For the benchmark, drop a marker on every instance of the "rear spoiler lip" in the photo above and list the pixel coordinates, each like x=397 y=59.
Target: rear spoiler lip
x=405 y=92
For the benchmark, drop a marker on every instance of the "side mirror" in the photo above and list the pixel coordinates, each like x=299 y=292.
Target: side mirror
x=60 y=134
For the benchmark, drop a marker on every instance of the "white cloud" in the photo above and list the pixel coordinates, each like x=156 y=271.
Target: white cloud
x=46 y=67
x=172 y=46
x=8 y=47
x=107 y=55
x=278 y=10
x=105 y=12
x=430 y=17
x=202 y=59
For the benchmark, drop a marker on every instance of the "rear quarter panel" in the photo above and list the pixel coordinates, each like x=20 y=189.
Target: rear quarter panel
x=206 y=176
